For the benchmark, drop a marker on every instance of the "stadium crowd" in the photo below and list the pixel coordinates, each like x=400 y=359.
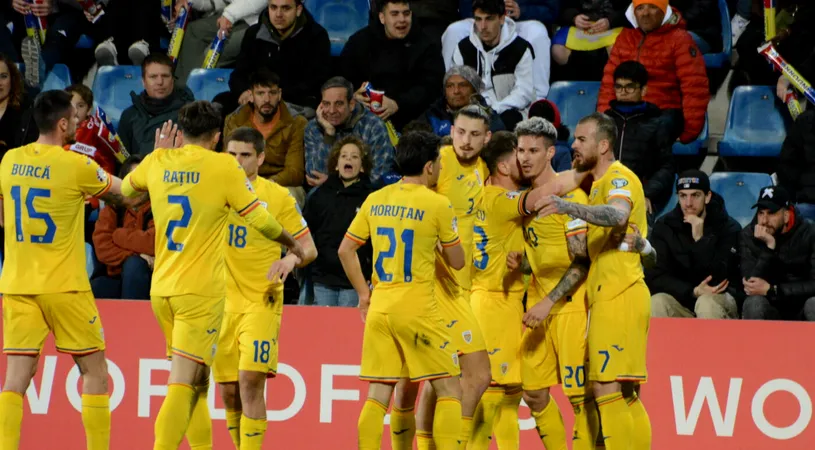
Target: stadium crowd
x=330 y=120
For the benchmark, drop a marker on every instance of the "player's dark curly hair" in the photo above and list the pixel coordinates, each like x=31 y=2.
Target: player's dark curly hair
x=501 y=144
x=414 y=150
x=199 y=119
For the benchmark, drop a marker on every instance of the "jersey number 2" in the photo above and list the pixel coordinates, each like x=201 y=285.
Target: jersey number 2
x=184 y=222
x=407 y=239
x=50 y=226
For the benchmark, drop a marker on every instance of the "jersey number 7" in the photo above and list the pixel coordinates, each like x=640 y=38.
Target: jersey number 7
x=184 y=222
x=33 y=193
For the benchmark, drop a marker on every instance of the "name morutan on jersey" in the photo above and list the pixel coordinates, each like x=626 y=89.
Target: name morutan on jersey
x=43 y=191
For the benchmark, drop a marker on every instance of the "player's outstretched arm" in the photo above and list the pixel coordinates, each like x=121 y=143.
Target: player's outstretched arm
x=614 y=214
x=270 y=228
x=350 y=264
x=309 y=250
x=454 y=255
x=120 y=195
x=634 y=242
x=564 y=183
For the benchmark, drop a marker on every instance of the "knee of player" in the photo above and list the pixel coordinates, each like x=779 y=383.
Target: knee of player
x=252 y=385
x=537 y=400
x=229 y=395
x=447 y=387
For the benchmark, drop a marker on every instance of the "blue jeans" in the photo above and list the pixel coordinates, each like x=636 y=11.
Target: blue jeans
x=132 y=284
x=703 y=45
x=331 y=296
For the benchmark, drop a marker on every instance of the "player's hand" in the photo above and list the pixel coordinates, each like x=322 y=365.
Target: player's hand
x=763 y=234
x=538 y=313
x=245 y=98
x=166 y=136
x=281 y=268
x=782 y=86
x=514 y=261
x=755 y=286
x=224 y=25
x=582 y=21
x=633 y=241
x=42 y=8
x=316 y=178
x=364 y=304
x=151 y=260
x=21 y=6
x=388 y=109
x=697 y=226
x=601 y=26
x=298 y=251
x=361 y=96
x=706 y=289
x=550 y=205
x=327 y=127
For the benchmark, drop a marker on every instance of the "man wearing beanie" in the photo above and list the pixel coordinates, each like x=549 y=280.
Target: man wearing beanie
x=777 y=266
x=678 y=82
x=462 y=86
x=696 y=243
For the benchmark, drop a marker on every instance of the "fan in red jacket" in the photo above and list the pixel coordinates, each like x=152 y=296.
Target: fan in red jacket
x=676 y=69
x=93 y=137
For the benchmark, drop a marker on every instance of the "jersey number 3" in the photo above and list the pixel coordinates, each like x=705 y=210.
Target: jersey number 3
x=33 y=193
x=184 y=222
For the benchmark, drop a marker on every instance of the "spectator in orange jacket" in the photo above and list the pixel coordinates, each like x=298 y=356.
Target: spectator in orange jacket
x=677 y=81
x=124 y=240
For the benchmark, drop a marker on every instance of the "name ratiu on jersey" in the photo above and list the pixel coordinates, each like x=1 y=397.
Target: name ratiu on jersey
x=402 y=212
x=181 y=177
x=27 y=170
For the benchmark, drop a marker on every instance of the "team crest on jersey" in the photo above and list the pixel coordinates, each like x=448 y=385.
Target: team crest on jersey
x=504 y=368
x=513 y=195
x=101 y=175
x=593 y=194
x=468 y=336
x=455 y=359
x=619 y=183
x=264 y=204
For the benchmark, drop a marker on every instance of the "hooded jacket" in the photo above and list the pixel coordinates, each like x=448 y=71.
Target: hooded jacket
x=138 y=125
x=363 y=124
x=545 y=11
x=409 y=70
x=329 y=211
x=790 y=267
x=440 y=118
x=302 y=59
x=234 y=10
x=645 y=146
x=683 y=263
x=677 y=78
x=506 y=69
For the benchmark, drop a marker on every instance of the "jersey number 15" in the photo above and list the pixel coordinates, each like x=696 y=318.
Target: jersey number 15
x=50 y=226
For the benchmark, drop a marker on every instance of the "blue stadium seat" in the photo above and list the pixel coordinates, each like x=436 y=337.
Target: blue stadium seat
x=85 y=42
x=755 y=126
x=112 y=87
x=59 y=78
x=205 y=84
x=719 y=60
x=671 y=201
x=740 y=191
x=575 y=100
x=89 y=264
x=693 y=148
x=340 y=18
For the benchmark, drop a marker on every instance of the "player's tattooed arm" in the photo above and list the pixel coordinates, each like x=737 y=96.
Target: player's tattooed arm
x=577 y=271
x=613 y=214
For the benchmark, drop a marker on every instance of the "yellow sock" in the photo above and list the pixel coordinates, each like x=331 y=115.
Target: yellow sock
x=586 y=423
x=96 y=419
x=617 y=421
x=233 y=425
x=369 y=427
x=199 y=432
x=424 y=440
x=252 y=433
x=446 y=423
x=641 y=432
x=484 y=418
x=549 y=423
x=465 y=432
x=11 y=419
x=174 y=416
x=403 y=428
x=506 y=430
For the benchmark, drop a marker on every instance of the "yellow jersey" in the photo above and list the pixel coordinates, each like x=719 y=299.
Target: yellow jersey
x=547 y=250
x=249 y=255
x=498 y=230
x=612 y=270
x=404 y=222
x=191 y=191
x=463 y=186
x=43 y=189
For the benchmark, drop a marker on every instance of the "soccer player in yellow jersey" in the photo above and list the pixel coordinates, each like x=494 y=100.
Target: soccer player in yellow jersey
x=44 y=284
x=554 y=352
x=618 y=299
x=497 y=292
x=405 y=335
x=248 y=347
x=191 y=190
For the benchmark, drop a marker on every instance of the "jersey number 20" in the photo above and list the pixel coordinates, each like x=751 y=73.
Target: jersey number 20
x=33 y=193
x=407 y=239
x=184 y=222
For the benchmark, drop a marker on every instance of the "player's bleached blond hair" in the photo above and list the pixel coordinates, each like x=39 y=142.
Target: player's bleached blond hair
x=538 y=127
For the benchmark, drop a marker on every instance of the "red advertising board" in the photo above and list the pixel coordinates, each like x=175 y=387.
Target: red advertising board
x=713 y=384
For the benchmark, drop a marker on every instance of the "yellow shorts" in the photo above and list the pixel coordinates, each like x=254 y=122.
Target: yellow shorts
x=71 y=316
x=500 y=317
x=461 y=324
x=191 y=325
x=618 y=336
x=555 y=353
x=248 y=342
x=397 y=346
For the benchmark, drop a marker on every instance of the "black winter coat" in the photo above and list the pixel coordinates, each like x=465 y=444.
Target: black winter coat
x=790 y=267
x=409 y=70
x=329 y=211
x=796 y=166
x=703 y=18
x=302 y=60
x=645 y=146
x=683 y=263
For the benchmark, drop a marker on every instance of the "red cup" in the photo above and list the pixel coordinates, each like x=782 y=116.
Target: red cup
x=376 y=98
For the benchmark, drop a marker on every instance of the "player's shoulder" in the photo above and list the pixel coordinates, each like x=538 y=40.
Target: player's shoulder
x=620 y=176
x=576 y=196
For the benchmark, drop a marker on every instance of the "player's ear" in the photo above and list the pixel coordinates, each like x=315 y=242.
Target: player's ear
x=261 y=158
x=428 y=168
x=550 y=152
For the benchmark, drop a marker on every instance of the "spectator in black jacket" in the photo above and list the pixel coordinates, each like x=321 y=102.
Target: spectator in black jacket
x=329 y=211
x=704 y=22
x=778 y=260
x=435 y=15
x=645 y=143
x=796 y=167
x=696 y=246
x=287 y=41
x=396 y=57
